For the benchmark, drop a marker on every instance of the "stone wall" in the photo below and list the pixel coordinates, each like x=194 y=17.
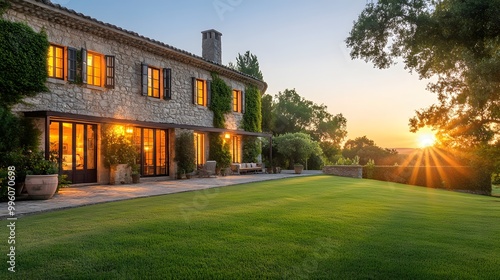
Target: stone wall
x=125 y=100
x=352 y=171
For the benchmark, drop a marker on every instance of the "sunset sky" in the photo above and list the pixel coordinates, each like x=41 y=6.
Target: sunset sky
x=299 y=44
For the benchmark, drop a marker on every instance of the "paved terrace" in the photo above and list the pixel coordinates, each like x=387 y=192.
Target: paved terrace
x=81 y=196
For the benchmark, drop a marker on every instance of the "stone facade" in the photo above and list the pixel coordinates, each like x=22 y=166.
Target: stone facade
x=124 y=104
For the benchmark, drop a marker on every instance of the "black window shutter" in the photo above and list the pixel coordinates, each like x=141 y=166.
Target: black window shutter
x=209 y=92
x=144 y=79
x=167 y=83
x=243 y=103
x=193 y=82
x=72 y=64
x=84 y=66
x=110 y=71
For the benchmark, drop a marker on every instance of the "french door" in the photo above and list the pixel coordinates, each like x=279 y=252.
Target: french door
x=74 y=145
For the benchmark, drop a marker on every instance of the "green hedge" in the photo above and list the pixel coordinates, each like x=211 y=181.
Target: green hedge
x=448 y=177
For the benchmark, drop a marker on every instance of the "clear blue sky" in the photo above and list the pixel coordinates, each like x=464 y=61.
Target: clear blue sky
x=299 y=44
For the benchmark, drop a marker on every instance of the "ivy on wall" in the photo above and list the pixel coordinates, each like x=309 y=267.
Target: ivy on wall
x=23 y=56
x=220 y=102
x=252 y=121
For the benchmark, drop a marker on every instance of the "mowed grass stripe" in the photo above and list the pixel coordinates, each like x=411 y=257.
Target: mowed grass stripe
x=304 y=227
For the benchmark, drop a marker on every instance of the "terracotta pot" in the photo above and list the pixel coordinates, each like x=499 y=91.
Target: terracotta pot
x=41 y=186
x=298 y=169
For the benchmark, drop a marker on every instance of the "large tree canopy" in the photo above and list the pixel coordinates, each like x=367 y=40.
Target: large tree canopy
x=293 y=113
x=456 y=42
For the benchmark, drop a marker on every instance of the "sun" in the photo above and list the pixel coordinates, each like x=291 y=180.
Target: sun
x=426 y=140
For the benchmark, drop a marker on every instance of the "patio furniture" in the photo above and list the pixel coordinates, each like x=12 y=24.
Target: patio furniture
x=239 y=168
x=208 y=169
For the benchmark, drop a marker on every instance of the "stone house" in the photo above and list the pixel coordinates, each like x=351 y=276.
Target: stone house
x=101 y=74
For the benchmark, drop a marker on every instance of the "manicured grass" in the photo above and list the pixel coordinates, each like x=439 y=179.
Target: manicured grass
x=305 y=227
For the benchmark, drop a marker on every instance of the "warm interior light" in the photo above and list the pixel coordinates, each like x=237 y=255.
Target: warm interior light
x=227 y=135
x=129 y=130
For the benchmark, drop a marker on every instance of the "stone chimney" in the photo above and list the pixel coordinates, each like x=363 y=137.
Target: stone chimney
x=212 y=45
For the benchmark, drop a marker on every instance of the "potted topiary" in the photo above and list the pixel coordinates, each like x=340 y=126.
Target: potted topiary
x=42 y=176
x=135 y=173
x=119 y=155
x=298 y=168
x=185 y=154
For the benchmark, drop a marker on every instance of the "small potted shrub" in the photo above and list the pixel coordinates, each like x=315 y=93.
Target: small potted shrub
x=135 y=173
x=298 y=168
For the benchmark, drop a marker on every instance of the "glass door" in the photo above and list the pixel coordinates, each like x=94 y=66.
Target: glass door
x=74 y=146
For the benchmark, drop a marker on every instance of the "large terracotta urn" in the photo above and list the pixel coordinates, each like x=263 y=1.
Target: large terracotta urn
x=41 y=186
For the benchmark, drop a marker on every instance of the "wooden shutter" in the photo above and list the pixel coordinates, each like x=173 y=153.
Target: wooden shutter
x=243 y=103
x=72 y=64
x=167 y=83
x=84 y=66
x=209 y=92
x=193 y=83
x=144 y=79
x=110 y=71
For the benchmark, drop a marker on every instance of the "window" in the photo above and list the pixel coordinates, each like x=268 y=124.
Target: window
x=199 y=145
x=94 y=68
x=201 y=92
x=55 y=62
x=153 y=82
x=97 y=69
x=156 y=83
x=237 y=101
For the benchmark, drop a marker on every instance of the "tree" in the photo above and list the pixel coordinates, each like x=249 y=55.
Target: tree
x=248 y=64
x=293 y=113
x=295 y=147
x=455 y=41
x=267 y=113
x=366 y=149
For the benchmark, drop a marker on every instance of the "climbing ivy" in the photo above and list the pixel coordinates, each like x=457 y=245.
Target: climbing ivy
x=220 y=102
x=23 y=56
x=252 y=119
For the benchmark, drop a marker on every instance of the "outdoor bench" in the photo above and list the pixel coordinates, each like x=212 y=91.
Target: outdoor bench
x=246 y=167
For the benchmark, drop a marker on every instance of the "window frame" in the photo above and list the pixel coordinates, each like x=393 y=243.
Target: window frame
x=54 y=68
x=237 y=103
x=201 y=94
x=91 y=75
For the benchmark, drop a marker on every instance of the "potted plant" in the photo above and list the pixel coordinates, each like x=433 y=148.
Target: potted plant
x=42 y=176
x=135 y=173
x=185 y=154
x=298 y=168
x=119 y=155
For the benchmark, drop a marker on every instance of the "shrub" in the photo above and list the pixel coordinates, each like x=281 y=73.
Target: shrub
x=219 y=151
x=117 y=148
x=449 y=177
x=185 y=153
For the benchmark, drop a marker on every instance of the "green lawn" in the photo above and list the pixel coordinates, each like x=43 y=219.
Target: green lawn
x=305 y=227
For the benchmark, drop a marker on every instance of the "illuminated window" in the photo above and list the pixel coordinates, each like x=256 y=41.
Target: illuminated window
x=94 y=69
x=154 y=82
x=201 y=92
x=55 y=62
x=236 y=101
x=199 y=145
